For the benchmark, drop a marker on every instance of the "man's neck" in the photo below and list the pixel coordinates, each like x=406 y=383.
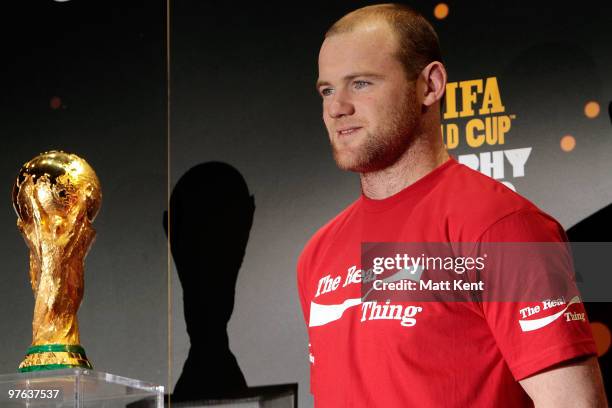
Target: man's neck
x=418 y=160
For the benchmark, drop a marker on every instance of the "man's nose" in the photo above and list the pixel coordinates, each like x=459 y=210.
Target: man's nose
x=340 y=105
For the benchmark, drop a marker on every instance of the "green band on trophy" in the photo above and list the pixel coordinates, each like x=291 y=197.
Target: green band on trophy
x=44 y=348
x=49 y=367
x=53 y=357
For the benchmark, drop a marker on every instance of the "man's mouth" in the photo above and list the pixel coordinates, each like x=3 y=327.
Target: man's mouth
x=347 y=130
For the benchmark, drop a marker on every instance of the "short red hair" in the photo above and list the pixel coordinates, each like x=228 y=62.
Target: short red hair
x=417 y=39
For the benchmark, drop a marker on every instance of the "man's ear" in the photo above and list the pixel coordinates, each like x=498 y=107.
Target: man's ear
x=433 y=79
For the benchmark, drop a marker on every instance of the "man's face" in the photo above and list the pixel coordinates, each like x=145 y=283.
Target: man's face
x=369 y=106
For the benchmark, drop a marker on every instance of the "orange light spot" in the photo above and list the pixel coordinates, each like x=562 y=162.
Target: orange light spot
x=55 y=103
x=591 y=109
x=441 y=11
x=602 y=336
x=568 y=143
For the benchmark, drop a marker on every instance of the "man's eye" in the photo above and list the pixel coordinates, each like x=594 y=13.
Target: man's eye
x=326 y=91
x=361 y=84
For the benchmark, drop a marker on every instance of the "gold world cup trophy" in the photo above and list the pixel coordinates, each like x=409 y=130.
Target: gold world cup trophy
x=56 y=196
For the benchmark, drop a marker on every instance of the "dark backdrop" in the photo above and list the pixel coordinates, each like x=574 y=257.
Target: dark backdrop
x=243 y=93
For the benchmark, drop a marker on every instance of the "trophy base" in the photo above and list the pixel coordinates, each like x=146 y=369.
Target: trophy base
x=77 y=388
x=54 y=357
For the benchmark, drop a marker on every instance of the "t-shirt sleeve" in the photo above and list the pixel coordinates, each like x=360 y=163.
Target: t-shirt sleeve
x=533 y=307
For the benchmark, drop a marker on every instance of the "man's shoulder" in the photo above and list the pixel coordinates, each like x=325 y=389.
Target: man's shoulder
x=479 y=202
x=483 y=192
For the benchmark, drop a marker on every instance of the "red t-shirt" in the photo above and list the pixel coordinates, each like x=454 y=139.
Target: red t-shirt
x=445 y=354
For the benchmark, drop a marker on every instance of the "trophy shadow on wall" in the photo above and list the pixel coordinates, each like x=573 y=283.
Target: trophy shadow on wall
x=211 y=214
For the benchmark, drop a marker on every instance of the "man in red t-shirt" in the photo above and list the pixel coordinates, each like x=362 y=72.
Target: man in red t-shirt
x=381 y=80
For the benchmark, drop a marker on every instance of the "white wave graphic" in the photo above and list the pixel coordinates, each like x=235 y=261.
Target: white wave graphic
x=529 y=325
x=323 y=314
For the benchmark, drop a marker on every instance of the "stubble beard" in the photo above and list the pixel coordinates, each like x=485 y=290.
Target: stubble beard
x=383 y=146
